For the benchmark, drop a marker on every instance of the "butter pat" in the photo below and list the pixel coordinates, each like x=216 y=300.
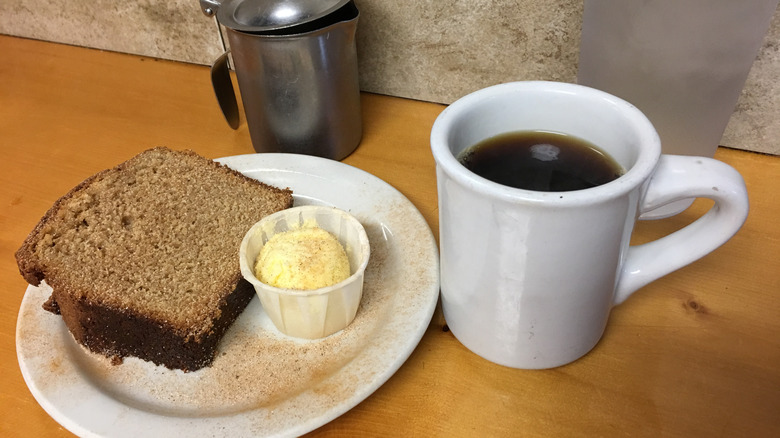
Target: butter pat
x=302 y=259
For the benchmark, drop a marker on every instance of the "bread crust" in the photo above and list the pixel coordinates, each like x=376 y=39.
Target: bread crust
x=118 y=332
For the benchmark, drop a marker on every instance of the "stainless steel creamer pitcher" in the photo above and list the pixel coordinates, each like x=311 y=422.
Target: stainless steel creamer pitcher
x=296 y=65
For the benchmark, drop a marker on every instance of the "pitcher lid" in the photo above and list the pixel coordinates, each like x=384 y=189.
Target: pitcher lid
x=273 y=15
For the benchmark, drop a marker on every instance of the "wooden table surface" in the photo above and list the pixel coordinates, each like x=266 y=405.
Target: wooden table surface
x=696 y=353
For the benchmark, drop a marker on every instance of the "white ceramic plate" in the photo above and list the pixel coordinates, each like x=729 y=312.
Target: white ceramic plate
x=261 y=383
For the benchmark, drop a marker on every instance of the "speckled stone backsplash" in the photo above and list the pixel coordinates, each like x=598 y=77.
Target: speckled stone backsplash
x=431 y=50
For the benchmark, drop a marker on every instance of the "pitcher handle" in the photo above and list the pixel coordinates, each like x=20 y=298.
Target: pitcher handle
x=223 y=89
x=680 y=177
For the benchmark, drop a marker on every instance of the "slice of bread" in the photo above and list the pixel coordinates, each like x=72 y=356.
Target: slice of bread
x=143 y=258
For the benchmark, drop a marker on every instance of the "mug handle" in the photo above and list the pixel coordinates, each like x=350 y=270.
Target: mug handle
x=678 y=177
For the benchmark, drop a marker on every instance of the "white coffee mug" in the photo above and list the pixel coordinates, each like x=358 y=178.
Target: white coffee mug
x=528 y=278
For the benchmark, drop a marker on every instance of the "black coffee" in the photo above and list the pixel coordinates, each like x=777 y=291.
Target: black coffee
x=542 y=161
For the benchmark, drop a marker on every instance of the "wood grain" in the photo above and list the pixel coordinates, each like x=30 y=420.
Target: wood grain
x=696 y=353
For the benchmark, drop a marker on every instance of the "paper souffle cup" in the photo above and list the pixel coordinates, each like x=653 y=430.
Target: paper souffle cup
x=315 y=313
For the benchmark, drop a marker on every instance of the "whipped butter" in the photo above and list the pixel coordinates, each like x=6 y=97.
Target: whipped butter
x=307 y=264
x=306 y=258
